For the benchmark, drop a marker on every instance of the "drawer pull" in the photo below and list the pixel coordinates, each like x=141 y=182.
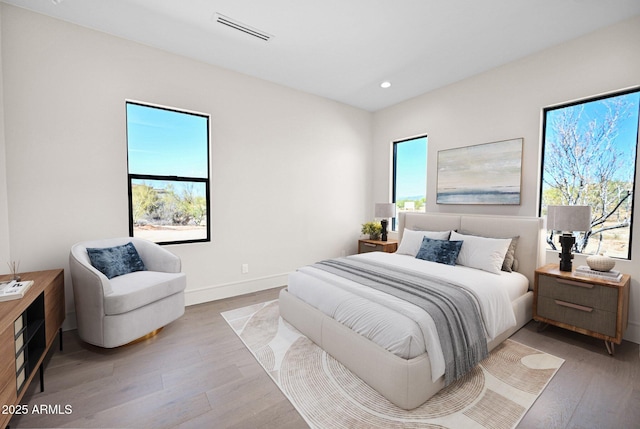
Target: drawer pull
x=369 y=244
x=579 y=284
x=576 y=306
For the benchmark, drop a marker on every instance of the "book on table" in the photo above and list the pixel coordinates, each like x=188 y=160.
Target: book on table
x=613 y=275
x=14 y=289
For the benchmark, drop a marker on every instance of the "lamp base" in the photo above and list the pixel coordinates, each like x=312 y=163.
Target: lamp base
x=566 y=241
x=384 y=224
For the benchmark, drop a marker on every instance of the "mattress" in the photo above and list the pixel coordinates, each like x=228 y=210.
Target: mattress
x=397 y=325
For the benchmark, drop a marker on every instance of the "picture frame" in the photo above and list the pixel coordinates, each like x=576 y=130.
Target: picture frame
x=487 y=173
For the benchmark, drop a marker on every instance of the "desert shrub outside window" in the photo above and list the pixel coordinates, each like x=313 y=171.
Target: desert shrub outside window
x=168 y=166
x=589 y=158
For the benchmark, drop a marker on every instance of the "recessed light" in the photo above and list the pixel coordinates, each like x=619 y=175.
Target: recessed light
x=385 y=84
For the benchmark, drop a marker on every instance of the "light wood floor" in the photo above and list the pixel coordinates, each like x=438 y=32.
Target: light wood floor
x=197 y=374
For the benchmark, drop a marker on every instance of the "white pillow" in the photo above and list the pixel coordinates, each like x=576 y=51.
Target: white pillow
x=412 y=240
x=485 y=254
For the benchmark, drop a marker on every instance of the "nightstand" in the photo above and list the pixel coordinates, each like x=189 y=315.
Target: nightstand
x=590 y=306
x=365 y=246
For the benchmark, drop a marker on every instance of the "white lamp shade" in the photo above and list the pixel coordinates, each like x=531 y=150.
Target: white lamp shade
x=569 y=218
x=385 y=210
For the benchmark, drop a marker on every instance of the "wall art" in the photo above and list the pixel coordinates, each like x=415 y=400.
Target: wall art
x=489 y=173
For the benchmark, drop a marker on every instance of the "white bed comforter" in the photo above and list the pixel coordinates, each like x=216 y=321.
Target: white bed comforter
x=397 y=325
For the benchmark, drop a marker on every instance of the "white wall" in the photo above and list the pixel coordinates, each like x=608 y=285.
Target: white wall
x=289 y=171
x=506 y=103
x=4 y=211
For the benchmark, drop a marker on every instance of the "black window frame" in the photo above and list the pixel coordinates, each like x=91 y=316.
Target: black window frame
x=171 y=178
x=635 y=161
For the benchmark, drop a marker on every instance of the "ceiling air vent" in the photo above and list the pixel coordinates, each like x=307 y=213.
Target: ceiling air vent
x=232 y=23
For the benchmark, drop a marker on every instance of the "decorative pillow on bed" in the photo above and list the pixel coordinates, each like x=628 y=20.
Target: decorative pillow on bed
x=412 y=240
x=116 y=261
x=441 y=251
x=509 y=264
x=485 y=254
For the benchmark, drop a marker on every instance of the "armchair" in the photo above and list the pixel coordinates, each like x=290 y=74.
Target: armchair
x=113 y=312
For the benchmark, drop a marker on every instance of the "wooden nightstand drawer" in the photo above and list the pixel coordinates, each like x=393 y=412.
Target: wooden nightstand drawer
x=370 y=247
x=585 y=317
x=586 y=294
x=365 y=246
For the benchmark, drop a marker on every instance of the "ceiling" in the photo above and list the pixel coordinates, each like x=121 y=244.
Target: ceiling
x=344 y=49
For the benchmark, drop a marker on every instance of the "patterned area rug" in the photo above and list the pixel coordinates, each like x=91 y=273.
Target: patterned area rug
x=496 y=394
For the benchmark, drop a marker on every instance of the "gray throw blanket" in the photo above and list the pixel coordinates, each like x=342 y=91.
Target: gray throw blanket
x=453 y=309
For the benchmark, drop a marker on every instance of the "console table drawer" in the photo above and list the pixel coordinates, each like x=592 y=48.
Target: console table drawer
x=585 y=317
x=586 y=294
x=19 y=342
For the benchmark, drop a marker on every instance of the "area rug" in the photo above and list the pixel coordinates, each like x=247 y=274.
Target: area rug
x=497 y=394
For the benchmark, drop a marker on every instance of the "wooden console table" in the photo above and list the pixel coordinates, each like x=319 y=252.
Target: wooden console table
x=28 y=327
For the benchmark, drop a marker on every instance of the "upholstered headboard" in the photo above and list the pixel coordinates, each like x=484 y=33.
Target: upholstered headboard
x=530 y=249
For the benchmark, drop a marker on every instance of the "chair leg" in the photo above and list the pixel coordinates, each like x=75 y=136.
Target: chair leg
x=41 y=379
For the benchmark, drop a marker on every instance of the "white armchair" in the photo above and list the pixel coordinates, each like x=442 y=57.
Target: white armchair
x=113 y=312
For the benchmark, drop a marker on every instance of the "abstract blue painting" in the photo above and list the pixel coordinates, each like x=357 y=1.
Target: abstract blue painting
x=489 y=173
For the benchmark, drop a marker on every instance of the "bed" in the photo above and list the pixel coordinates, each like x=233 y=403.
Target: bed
x=383 y=340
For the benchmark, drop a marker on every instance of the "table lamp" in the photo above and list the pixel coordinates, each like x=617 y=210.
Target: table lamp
x=567 y=219
x=385 y=211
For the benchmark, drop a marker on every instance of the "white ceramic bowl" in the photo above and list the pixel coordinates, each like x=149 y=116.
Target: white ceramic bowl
x=600 y=263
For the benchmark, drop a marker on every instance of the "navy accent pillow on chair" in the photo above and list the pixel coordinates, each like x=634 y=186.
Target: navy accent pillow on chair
x=116 y=261
x=441 y=251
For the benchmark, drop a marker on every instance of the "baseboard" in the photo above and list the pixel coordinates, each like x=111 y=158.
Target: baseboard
x=70 y=322
x=633 y=332
x=227 y=290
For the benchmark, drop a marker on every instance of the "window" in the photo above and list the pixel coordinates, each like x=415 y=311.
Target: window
x=589 y=158
x=168 y=158
x=409 y=175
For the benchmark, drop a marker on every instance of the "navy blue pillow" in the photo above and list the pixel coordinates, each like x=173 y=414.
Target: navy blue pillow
x=116 y=261
x=441 y=251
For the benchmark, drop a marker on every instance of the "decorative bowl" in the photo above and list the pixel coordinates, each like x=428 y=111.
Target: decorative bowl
x=600 y=262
